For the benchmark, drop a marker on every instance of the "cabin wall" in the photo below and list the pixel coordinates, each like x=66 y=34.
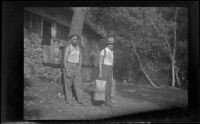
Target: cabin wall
x=35 y=51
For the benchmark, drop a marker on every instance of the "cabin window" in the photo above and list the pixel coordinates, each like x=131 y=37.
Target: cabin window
x=61 y=32
x=46 y=42
x=36 y=23
x=46 y=33
x=54 y=37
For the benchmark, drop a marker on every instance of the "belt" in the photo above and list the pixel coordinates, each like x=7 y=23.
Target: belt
x=108 y=65
x=73 y=63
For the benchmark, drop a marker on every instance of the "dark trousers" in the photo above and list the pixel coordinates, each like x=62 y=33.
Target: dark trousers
x=72 y=77
x=107 y=71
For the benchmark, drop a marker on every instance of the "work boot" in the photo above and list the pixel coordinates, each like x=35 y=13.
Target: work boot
x=111 y=105
x=103 y=106
x=74 y=101
x=70 y=104
x=83 y=103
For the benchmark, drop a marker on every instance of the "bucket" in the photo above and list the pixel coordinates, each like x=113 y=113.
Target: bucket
x=101 y=85
x=99 y=94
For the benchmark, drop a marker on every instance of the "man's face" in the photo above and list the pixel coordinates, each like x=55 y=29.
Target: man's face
x=74 y=41
x=110 y=46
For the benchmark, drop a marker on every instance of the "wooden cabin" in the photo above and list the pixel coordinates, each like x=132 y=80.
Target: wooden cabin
x=53 y=24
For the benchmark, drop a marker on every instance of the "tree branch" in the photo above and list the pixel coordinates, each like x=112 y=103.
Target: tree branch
x=169 y=48
x=175 y=28
x=142 y=68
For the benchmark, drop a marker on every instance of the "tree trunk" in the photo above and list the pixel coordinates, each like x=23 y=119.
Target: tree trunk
x=143 y=70
x=77 y=22
x=75 y=28
x=172 y=54
x=173 y=74
x=174 y=50
x=177 y=78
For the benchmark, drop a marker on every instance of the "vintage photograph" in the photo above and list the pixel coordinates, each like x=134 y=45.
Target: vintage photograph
x=91 y=63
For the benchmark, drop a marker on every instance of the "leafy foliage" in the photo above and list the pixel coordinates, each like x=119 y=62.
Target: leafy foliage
x=149 y=31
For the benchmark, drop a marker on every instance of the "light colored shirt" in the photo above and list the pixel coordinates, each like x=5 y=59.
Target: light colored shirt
x=74 y=54
x=108 y=58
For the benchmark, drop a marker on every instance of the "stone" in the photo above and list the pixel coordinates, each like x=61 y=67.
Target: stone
x=33 y=58
x=41 y=101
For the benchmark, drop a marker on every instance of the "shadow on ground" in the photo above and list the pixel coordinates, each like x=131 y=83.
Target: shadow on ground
x=91 y=94
x=30 y=112
x=164 y=97
x=175 y=114
x=44 y=79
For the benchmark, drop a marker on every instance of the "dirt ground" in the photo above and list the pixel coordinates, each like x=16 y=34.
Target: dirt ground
x=43 y=100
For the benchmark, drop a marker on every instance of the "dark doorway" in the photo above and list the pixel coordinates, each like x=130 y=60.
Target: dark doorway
x=46 y=33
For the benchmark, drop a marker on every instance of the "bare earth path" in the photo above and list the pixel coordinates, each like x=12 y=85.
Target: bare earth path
x=42 y=102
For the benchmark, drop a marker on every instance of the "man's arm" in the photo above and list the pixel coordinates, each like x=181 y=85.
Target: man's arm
x=80 y=61
x=113 y=65
x=65 y=56
x=100 y=66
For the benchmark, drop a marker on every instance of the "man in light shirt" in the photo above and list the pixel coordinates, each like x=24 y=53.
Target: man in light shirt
x=72 y=65
x=106 y=69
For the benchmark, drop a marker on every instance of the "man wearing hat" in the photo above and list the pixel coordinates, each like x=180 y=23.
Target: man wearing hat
x=72 y=65
x=106 y=69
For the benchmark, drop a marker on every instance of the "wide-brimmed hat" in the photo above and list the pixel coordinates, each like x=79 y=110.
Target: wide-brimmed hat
x=110 y=40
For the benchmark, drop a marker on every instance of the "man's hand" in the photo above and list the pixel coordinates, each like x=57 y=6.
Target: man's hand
x=79 y=68
x=100 y=67
x=100 y=75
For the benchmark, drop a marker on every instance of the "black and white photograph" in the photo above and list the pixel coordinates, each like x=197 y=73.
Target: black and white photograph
x=100 y=61
x=88 y=63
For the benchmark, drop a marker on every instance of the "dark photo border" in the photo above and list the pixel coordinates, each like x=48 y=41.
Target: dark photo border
x=12 y=57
